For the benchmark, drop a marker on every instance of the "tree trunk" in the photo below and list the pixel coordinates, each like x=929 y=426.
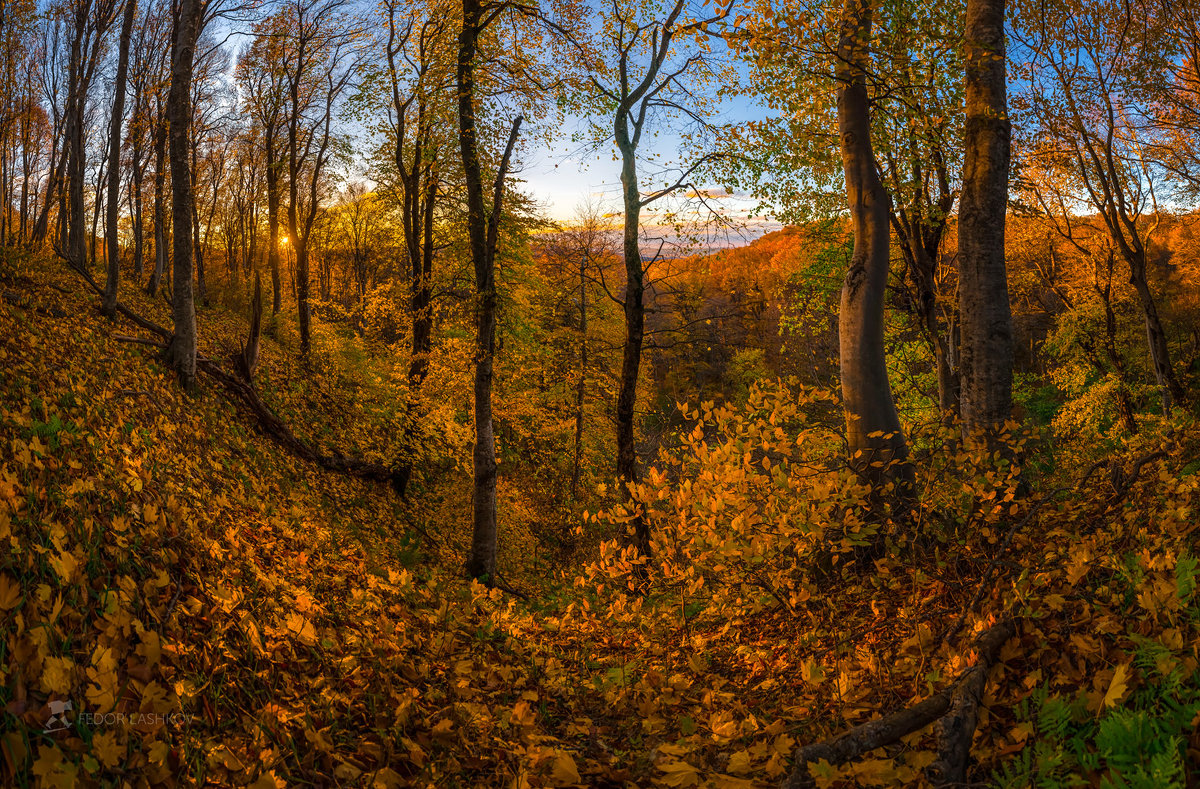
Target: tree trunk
x=635 y=331
x=135 y=203
x=1156 y=337
x=299 y=244
x=577 y=464
x=41 y=227
x=109 y=305
x=482 y=561
x=922 y=265
x=182 y=351
x=273 y=220
x=483 y=231
x=97 y=209
x=160 y=207
x=198 y=247
x=873 y=431
x=76 y=246
x=986 y=321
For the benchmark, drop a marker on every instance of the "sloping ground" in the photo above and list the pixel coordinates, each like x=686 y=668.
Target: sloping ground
x=217 y=612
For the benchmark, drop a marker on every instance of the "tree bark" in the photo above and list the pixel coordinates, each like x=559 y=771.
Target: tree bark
x=76 y=246
x=577 y=464
x=160 y=205
x=635 y=332
x=112 y=282
x=873 y=431
x=483 y=230
x=273 y=218
x=1156 y=336
x=182 y=350
x=986 y=320
x=135 y=201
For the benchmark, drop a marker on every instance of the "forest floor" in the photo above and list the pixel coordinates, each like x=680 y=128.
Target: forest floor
x=218 y=612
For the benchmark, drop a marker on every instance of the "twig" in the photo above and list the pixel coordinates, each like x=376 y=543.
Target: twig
x=139 y=393
x=139 y=341
x=960 y=620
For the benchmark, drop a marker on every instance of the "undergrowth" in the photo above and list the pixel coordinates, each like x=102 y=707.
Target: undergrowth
x=218 y=612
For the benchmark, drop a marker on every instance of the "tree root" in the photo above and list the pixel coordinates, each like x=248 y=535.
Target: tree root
x=955 y=706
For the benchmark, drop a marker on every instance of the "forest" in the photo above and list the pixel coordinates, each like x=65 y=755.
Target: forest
x=602 y=393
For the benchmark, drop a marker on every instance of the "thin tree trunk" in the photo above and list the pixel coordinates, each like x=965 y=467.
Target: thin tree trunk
x=874 y=437
x=986 y=320
x=635 y=330
x=98 y=209
x=198 y=246
x=58 y=162
x=179 y=115
x=112 y=282
x=273 y=220
x=299 y=245
x=483 y=231
x=577 y=466
x=26 y=174
x=76 y=246
x=135 y=203
x=1156 y=336
x=160 y=206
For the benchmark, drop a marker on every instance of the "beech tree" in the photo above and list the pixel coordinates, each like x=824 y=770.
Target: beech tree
x=189 y=19
x=317 y=53
x=109 y=306
x=483 y=229
x=917 y=128
x=264 y=83
x=875 y=439
x=419 y=74
x=90 y=23
x=648 y=71
x=835 y=48
x=987 y=359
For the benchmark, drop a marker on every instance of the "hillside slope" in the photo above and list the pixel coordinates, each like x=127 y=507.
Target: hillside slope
x=217 y=612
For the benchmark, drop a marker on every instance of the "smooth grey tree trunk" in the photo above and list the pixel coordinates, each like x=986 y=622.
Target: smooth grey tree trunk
x=986 y=321
x=182 y=350
x=112 y=281
x=160 y=205
x=873 y=431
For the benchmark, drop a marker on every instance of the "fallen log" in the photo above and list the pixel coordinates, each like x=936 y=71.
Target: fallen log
x=955 y=700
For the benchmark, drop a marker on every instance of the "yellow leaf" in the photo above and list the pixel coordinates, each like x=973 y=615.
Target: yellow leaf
x=739 y=763
x=53 y=771
x=302 y=629
x=1118 y=686
x=65 y=565
x=56 y=675
x=720 y=781
x=563 y=771
x=10 y=592
x=150 y=648
x=521 y=714
x=678 y=774
x=107 y=748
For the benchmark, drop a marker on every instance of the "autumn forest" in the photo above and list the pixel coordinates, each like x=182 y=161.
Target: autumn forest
x=630 y=393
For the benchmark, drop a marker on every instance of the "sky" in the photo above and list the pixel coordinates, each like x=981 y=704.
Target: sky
x=563 y=178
